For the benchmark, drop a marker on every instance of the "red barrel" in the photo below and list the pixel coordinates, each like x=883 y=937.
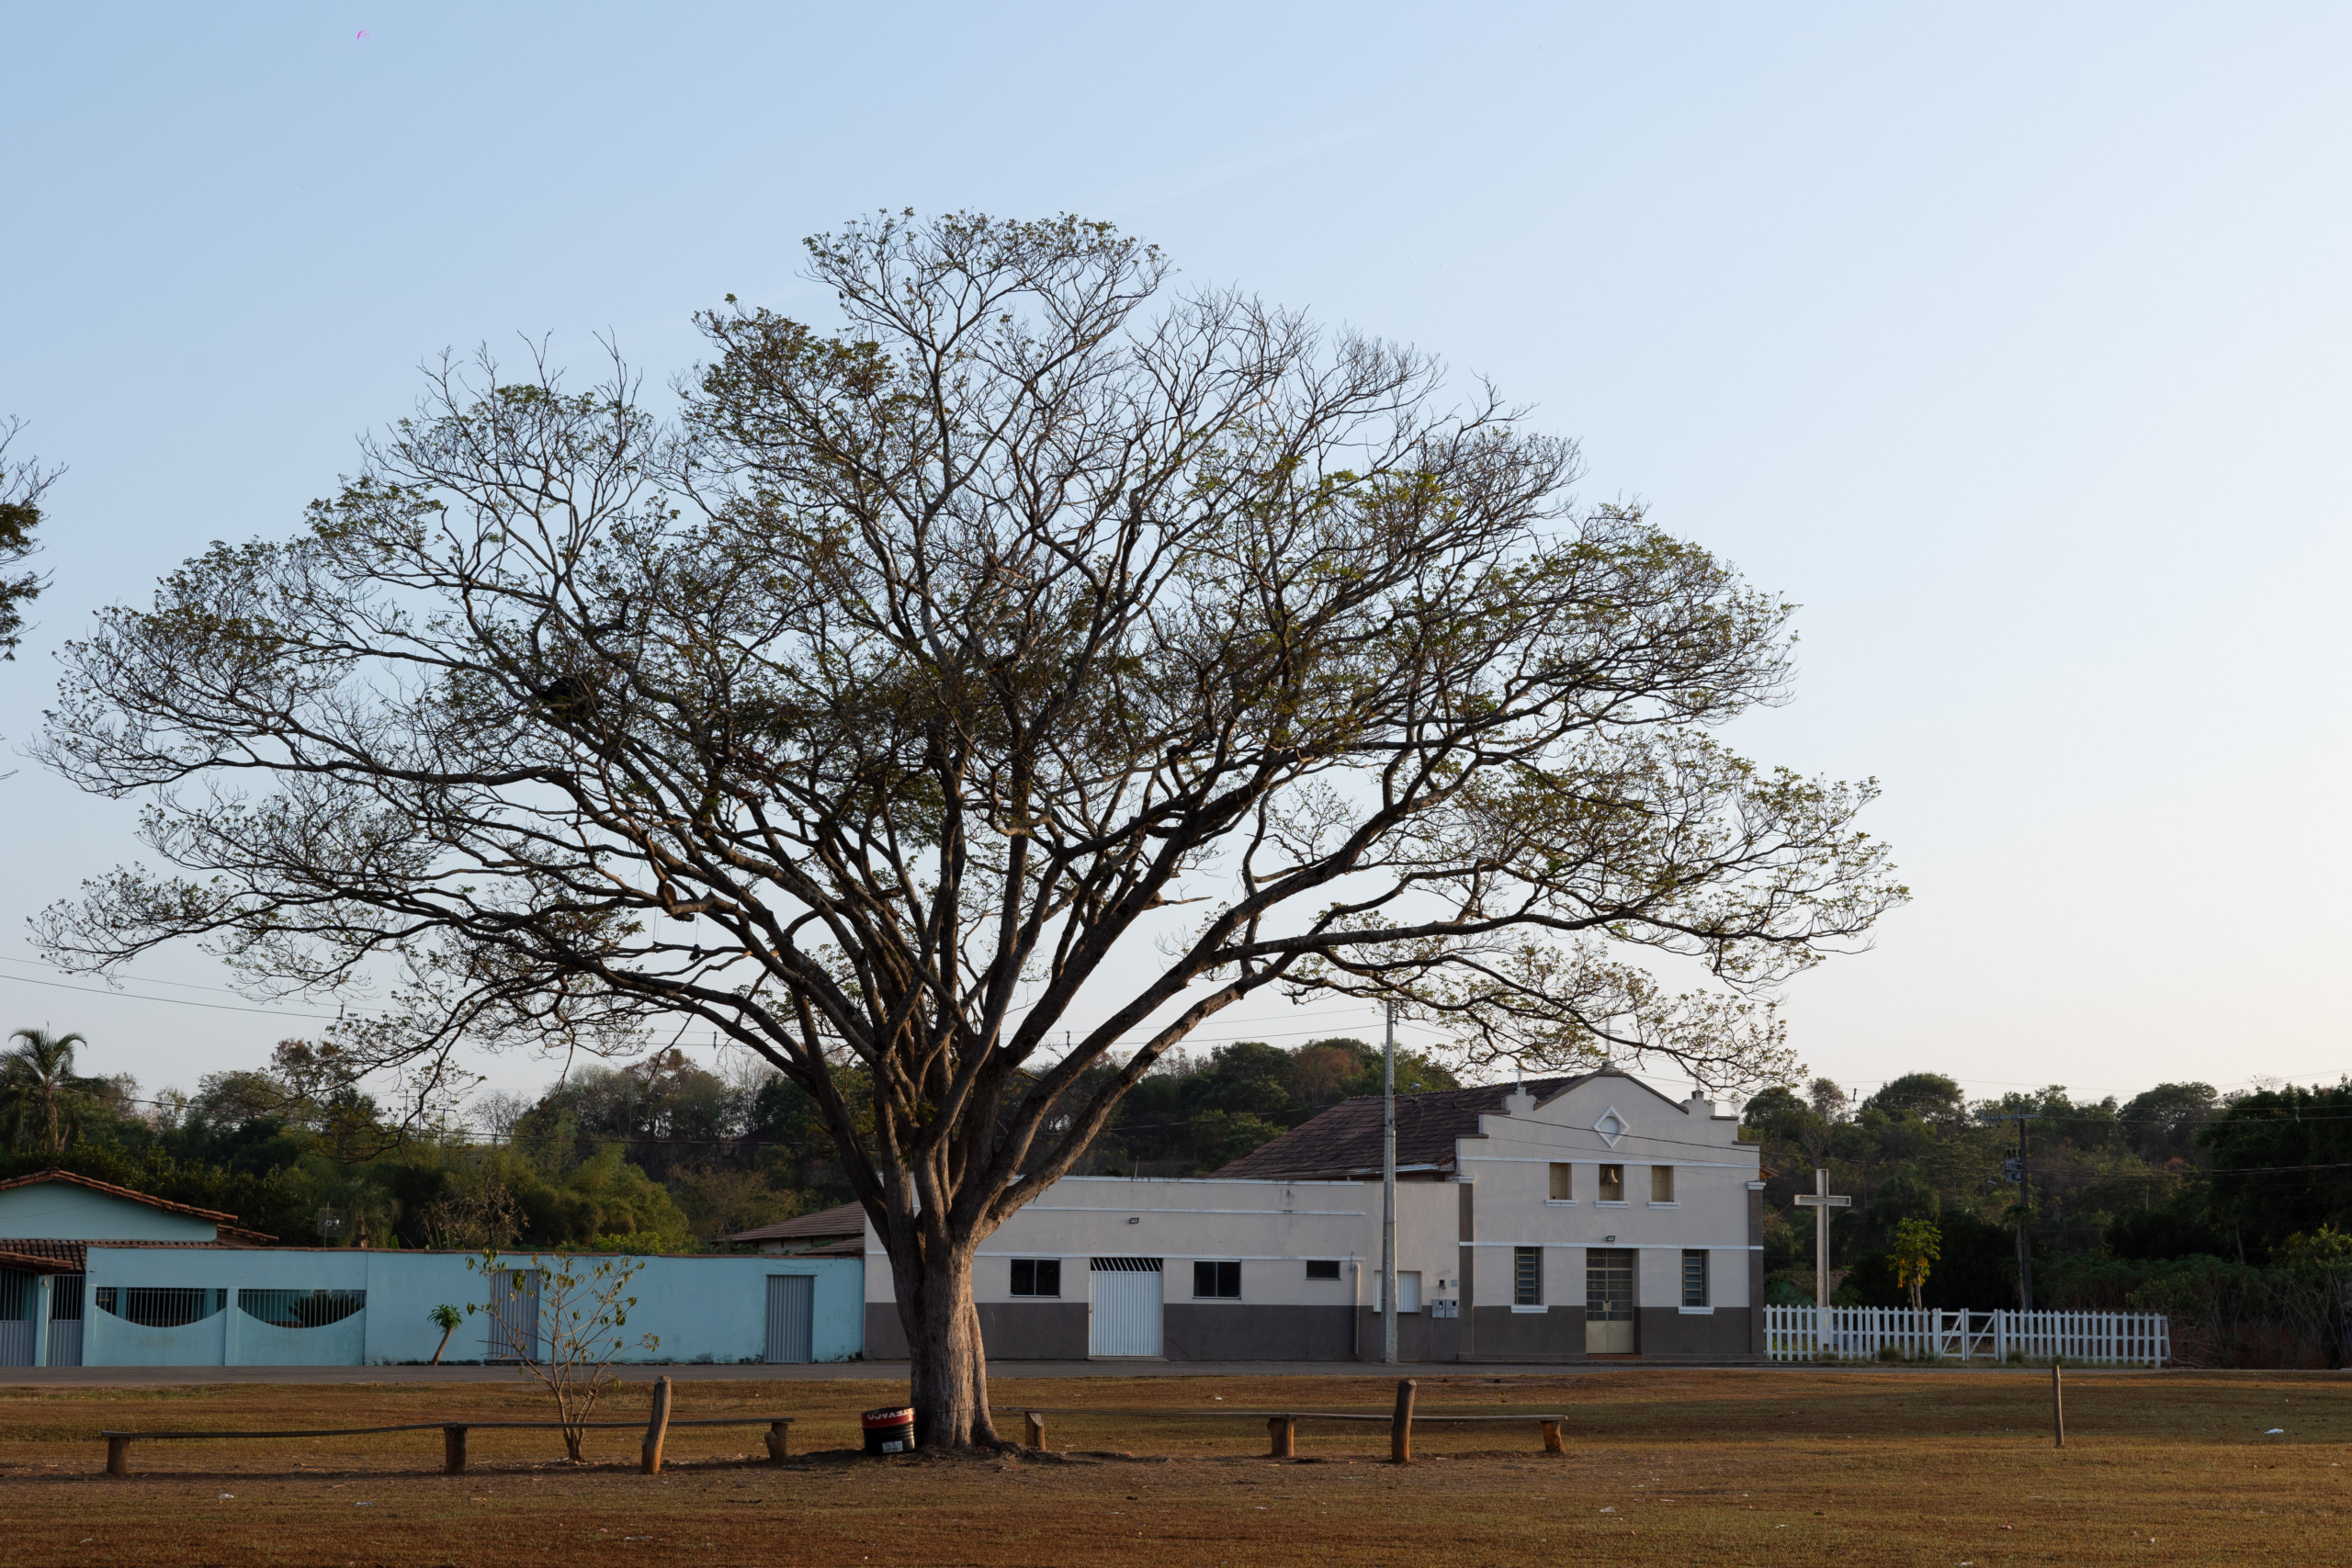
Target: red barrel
x=891 y=1430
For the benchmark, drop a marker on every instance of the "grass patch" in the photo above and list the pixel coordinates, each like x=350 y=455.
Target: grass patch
x=1663 y=1467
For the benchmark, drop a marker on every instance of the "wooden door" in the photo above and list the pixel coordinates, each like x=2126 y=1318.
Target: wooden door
x=1609 y=1301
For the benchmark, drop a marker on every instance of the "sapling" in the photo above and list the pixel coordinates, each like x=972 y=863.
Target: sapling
x=574 y=1329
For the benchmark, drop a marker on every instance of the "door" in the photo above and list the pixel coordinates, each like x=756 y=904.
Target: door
x=1123 y=1314
x=792 y=1317
x=514 y=1315
x=1609 y=1301
x=65 y=1320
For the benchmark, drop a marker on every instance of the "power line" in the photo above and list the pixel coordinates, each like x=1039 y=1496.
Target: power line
x=166 y=1002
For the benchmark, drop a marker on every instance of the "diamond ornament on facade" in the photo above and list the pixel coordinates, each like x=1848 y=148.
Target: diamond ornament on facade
x=1611 y=1127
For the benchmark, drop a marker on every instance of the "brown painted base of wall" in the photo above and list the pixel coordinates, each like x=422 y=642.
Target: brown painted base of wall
x=1661 y=1333
x=1236 y=1331
x=1667 y=1335
x=1009 y=1331
x=1555 y=1333
x=1056 y=1331
x=1420 y=1336
x=1033 y=1331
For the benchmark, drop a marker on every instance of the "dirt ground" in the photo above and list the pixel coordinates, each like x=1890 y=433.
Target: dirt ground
x=1662 y=1467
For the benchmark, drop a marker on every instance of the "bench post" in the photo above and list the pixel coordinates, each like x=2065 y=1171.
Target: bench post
x=657 y=1428
x=1552 y=1437
x=1032 y=1429
x=1400 y=1424
x=117 y=1456
x=779 y=1440
x=1282 y=1430
x=453 y=1450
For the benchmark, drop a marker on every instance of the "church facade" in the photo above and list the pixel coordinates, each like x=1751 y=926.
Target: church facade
x=1557 y=1220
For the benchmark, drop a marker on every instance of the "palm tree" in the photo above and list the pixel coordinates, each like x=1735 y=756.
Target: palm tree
x=40 y=1094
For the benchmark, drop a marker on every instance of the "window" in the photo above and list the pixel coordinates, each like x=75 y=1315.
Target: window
x=1694 y=1279
x=1612 y=1184
x=1564 y=1186
x=1661 y=1184
x=1322 y=1268
x=1036 y=1276
x=1216 y=1280
x=1408 y=1289
x=162 y=1307
x=1526 y=1276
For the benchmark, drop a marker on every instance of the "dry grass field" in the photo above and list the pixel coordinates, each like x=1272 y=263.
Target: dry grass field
x=1663 y=1467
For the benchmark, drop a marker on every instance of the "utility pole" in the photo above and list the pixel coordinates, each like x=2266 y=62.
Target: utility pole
x=2024 y=1216
x=1388 y=1194
x=2018 y=1169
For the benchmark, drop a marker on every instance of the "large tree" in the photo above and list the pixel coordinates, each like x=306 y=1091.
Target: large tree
x=1007 y=678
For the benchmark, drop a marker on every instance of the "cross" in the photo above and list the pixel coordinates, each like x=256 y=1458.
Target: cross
x=1820 y=1202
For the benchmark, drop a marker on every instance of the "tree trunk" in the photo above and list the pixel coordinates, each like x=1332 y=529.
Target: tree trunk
x=946 y=1366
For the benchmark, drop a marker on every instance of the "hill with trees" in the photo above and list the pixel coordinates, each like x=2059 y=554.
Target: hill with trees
x=663 y=1154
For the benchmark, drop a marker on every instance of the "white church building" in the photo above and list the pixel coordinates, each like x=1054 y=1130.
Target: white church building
x=1558 y=1220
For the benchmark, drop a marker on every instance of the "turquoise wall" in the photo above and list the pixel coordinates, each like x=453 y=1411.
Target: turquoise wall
x=711 y=1309
x=59 y=1211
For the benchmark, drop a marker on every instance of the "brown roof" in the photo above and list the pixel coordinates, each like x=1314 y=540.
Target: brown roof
x=825 y=1224
x=1345 y=1140
x=225 y=1221
x=29 y=1264
x=75 y=1253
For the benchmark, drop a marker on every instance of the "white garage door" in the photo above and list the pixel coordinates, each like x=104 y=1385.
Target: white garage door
x=1124 y=1319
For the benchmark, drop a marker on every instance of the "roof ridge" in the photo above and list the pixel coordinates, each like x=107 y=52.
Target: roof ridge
x=55 y=1174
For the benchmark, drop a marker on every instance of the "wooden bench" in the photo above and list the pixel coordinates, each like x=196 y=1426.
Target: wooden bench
x=453 y=1436
x=1281 y=1426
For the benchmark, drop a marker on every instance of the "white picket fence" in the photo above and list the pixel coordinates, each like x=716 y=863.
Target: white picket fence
x=1861 y=1334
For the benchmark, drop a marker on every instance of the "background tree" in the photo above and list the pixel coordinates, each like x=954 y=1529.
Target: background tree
x=1918 y=1244
x=23 y=482
x=1000 y=684
x=41 y=1097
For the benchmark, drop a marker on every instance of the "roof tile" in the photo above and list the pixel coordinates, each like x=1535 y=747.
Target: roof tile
x=1345 y=1140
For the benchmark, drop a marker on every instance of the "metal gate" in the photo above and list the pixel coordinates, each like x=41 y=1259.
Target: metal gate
x=792 y=1317
x=65 y=1320
x=1124 y=1316
x=17 y=1294
x=1609 y=1301
x=514 y=1315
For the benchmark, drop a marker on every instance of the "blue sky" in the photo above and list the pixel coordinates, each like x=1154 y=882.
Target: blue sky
x=2009 y=342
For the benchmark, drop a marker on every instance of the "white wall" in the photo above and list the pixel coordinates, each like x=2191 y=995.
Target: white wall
x=1511 y=1165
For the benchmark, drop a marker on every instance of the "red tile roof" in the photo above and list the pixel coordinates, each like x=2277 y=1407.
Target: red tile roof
x=28 y=1263
x=75 y=1255
x=1345 y=1140
x=224 y=1222
x=825 y=1224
